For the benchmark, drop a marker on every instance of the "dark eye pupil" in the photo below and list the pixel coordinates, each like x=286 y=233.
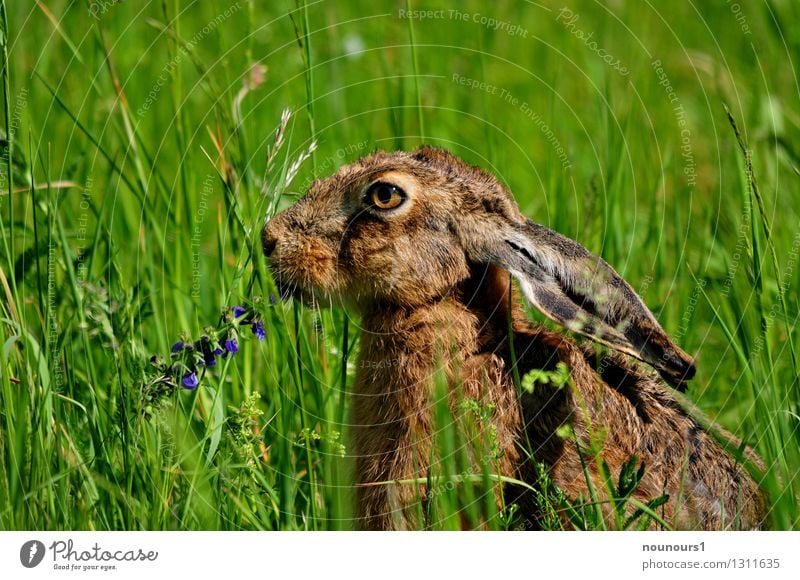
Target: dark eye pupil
x=384 y=196
x=385 y=193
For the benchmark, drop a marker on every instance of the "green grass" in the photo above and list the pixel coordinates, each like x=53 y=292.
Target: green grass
x=143 y=165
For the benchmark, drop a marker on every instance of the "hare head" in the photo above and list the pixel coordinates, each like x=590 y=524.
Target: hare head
x=403 y=229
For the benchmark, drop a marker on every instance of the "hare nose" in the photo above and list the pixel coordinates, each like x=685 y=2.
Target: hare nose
x=269 y=247
x=268 y=241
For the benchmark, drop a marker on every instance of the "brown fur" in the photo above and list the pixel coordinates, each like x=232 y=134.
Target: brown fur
x=428 y=300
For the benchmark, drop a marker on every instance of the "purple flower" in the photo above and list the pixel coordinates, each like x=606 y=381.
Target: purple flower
x=209 y=357
x=218 y=351
x=231 y=346
x=238 y=311
x=178 y=346
x=272 y=299
x=258 y=330
x=190 y=381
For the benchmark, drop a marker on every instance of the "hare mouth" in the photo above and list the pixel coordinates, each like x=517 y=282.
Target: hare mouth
x=307 y=295
x=288 y=290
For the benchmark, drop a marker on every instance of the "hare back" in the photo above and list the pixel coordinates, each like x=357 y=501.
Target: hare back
x=618 y=412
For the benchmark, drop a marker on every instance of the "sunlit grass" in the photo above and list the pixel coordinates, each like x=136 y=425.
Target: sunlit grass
x=145 y=160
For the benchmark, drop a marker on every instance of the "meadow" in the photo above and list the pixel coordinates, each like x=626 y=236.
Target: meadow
x=145 y=144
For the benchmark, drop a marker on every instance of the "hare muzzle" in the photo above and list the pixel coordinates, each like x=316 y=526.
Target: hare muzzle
x=302 y=257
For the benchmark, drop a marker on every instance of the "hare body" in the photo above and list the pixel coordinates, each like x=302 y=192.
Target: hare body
x=421 y=245
x=707 y=489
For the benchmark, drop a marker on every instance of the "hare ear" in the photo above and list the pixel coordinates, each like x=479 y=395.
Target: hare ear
x=584 y=294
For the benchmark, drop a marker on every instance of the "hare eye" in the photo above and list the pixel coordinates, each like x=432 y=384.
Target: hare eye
x=385 y=195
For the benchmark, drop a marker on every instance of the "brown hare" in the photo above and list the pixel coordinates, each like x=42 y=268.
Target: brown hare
x=421 y=244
